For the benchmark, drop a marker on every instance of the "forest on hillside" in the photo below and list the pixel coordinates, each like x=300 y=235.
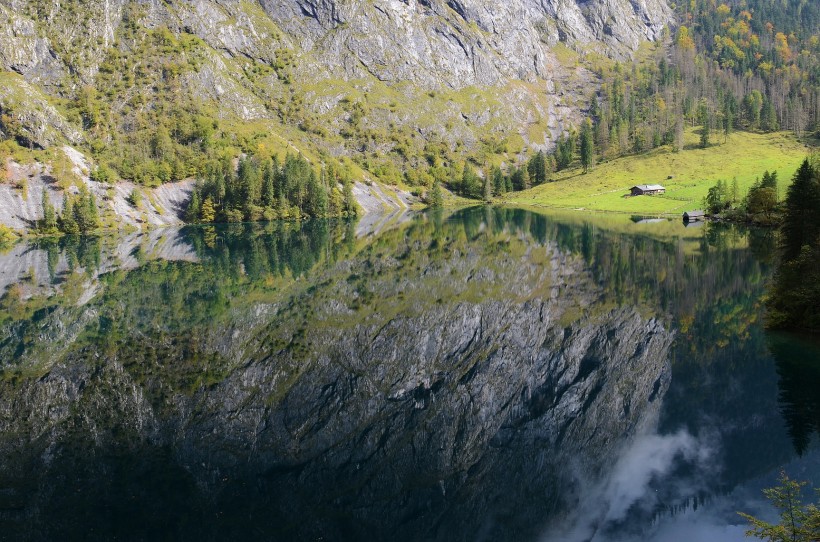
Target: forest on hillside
x=751 y=65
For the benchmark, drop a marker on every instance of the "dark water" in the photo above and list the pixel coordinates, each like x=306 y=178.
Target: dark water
x=491 y=375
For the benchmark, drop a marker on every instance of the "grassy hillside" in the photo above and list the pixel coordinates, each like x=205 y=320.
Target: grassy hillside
x=693 y=171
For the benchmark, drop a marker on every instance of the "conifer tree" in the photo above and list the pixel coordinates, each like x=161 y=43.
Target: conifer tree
x=728 y=120
x=801 y=225
x=704 y=120
x=525 y=179
x=351 y=209
x=436 y=196
x=499 y=186
x=208 y=212
x=335 y=202
x=67 y=222
x=799 y=522
x=679 y=135
x=92 y=211
x=49 y=222
x=537 y=168
x=587 y=146
x=192 y=214
x=316 y=205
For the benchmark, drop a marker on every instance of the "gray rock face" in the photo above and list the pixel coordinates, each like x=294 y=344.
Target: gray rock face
x=37 y=123
x=22 y=50
x=47 y=39
x=21 y=199
x=461 y=43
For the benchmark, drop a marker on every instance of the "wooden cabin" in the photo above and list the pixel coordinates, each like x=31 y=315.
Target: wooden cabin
x=694 y=216
x=647 y=190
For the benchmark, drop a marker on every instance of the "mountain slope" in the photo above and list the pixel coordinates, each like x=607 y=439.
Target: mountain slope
x=386 y=82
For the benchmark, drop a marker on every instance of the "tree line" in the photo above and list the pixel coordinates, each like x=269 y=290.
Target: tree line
x=253 y=189
x=536 y=170
x=761 y=205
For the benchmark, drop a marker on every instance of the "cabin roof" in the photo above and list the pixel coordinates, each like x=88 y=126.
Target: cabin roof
x=646 y=187
x=695 y=213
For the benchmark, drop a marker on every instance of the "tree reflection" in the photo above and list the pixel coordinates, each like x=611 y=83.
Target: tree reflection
x=798 y=366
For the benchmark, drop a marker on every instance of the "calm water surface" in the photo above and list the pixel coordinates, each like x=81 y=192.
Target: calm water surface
x=490 y=375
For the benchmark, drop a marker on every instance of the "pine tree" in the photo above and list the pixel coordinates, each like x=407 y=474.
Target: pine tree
x=351 y=208
x=135 y=198
x=717 y=199
x=770 y=181
x=80 y=214
x=335 y=202
x=561 y=160
x=278 y=180
x=520 y=179
x=92 y=211
x=705 y=121
x=499 y=186
x=208 y=212
x=488 y=188
x=471 y=186
x=84 y=212
x=728 y=122
x=735 y=190
x=436 y=195
x=268 y=186
x=801 y=225
x=564 y=151
x=768 y=117
x=49 y=222
x=67 y=222
x=537 y=168
x=192 y=214
x=508 y=183
x=587 y=146
x=799 y=522
x=525 y=179
x=316 y=203
x=752 y=105
x=679 y=135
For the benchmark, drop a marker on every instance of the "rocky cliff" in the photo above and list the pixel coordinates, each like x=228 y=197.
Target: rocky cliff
x=461 y=43
x=437 y=43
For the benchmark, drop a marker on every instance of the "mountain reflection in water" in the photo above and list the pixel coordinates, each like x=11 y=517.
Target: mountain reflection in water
x=495 y=374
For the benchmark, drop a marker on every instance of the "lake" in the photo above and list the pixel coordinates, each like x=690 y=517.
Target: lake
x=490 y=374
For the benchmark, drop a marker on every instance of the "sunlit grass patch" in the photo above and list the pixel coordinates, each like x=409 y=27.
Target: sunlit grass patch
x=687 y=175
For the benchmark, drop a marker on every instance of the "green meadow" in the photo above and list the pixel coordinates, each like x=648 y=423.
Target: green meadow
x=687 y=175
